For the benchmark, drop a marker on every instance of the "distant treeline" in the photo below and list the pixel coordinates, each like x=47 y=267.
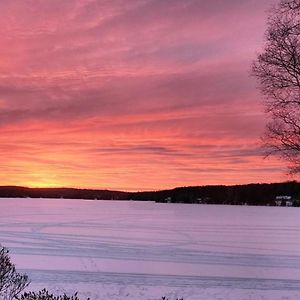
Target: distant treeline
x=67 y=193
x=250 y=194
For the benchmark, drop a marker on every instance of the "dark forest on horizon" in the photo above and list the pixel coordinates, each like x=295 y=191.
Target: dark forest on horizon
x=250 y=194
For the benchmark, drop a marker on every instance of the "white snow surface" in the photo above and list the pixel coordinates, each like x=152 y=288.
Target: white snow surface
x=144 y=250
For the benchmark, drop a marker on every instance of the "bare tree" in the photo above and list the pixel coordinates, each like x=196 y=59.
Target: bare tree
x=12 y=283
x=278 y=71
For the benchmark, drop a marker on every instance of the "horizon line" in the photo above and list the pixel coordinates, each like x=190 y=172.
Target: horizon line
x=143 y=191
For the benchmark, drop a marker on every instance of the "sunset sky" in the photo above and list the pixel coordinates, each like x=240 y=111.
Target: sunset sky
x=132 y=94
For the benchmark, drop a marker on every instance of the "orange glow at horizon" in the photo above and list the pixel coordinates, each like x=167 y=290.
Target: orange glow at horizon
x=58 y=156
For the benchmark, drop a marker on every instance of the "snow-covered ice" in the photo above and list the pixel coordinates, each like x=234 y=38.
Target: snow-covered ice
x=144 y=250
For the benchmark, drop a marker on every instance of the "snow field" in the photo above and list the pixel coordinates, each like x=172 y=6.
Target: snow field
x=144 y=250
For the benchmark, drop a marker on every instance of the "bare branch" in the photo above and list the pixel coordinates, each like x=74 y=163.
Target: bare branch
x=12 y=283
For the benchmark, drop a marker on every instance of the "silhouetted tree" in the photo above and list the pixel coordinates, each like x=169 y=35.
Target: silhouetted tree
x=12 y=283
x=45 y=295
x=278 y=71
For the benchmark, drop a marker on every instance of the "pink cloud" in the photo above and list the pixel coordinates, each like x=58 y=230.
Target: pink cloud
x=96 y=93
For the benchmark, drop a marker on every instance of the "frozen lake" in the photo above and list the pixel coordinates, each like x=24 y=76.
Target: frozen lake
x=144 y=250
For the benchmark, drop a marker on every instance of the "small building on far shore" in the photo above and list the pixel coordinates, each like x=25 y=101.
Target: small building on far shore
x=283 y=200
x=167 y=200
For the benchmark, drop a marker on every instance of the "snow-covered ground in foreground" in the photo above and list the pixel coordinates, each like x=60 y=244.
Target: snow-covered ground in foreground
x=144 y=250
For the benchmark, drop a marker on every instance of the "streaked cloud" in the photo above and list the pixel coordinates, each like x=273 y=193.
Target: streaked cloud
x=131 y=94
